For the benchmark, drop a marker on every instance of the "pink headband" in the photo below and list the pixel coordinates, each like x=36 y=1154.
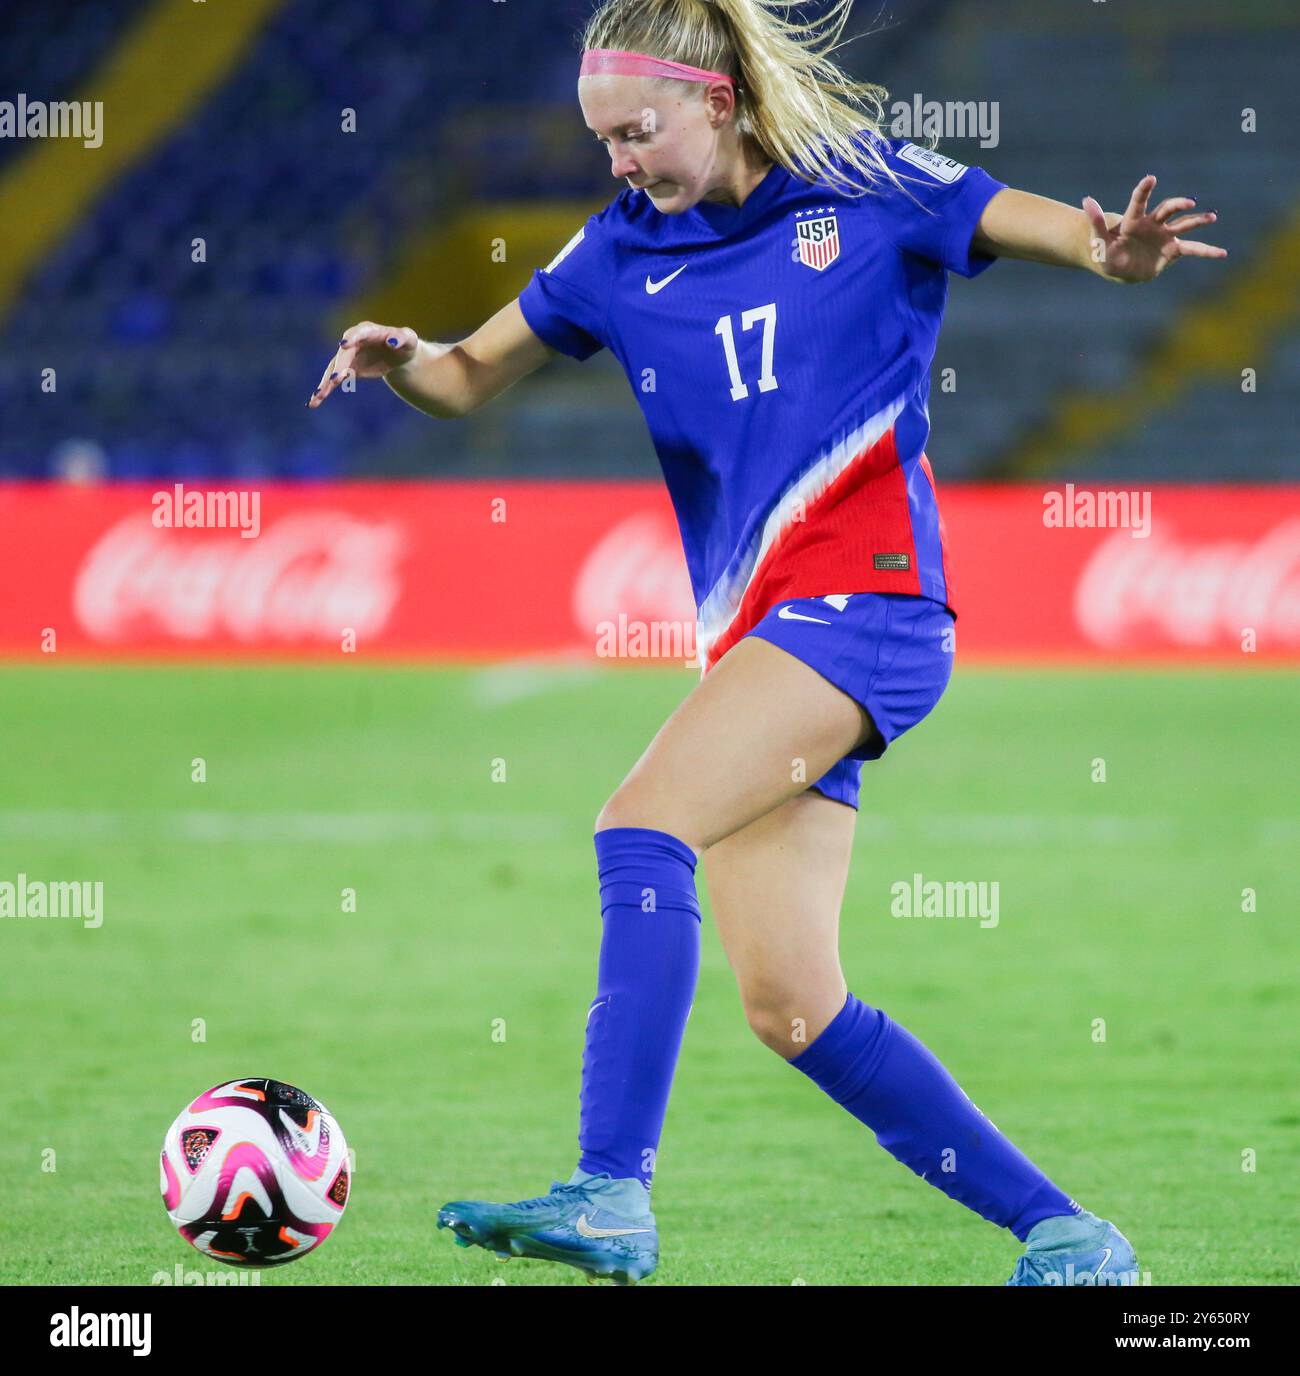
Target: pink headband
x=615 y=62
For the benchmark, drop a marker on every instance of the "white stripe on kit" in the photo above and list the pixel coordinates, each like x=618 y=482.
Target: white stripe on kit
x=719 y=608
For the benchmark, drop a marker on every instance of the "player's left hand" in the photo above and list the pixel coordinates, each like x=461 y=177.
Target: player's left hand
x=1142 y=244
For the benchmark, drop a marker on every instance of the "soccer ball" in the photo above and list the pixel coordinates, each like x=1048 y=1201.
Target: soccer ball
x=255 y=1173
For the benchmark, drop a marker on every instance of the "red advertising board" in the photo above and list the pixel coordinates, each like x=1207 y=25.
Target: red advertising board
x=506 y=569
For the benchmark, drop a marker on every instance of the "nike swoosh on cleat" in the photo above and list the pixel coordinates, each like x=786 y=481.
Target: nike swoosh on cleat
x=586 y=1229
x=785 y=614
x=653 y=287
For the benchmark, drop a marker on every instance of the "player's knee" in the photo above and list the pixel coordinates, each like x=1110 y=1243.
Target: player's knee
x=624 y=808
x=775 y=1021
x=788 y=1016
x=617 y=812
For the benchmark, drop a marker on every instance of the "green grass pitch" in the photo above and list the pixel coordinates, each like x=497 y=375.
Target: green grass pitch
x=1120 y=905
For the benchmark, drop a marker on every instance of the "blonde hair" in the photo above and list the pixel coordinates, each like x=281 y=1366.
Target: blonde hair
x=795 y=105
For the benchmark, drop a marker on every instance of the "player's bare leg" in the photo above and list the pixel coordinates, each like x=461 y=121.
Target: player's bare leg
x=776 y=887
x=758 y=730
x=748 y=738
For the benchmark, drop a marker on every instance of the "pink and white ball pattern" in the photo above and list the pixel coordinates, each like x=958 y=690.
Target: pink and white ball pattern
x=255 y=1173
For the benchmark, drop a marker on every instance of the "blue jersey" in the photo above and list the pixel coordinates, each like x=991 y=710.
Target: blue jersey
x=781 y=353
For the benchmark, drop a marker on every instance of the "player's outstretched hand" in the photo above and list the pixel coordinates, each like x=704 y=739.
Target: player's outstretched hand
x=366 y=350
x=1143 y=244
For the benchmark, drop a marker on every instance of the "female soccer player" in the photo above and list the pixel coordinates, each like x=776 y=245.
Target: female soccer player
x=772 y=281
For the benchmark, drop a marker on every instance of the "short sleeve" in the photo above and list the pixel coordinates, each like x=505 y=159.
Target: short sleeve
x=566 y=303
x=951 y=200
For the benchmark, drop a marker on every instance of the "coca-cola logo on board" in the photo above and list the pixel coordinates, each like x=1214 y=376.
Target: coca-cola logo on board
x=309 y=576
x=1192 y=593
x=636 y=570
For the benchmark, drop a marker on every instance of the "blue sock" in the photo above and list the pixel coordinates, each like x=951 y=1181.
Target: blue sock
x=649 y=963
x=888 y=1080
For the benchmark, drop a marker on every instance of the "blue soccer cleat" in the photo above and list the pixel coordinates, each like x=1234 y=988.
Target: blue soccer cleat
x=1076 y=1250
x=600 y=1225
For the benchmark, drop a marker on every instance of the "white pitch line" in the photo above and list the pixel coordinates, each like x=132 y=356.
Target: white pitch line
x=518 y=680
x=1280 y=831
x=282 y=828
x=375 y=828
x=1103 y=829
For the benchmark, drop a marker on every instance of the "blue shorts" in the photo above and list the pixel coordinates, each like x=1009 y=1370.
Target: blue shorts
x=890 y=652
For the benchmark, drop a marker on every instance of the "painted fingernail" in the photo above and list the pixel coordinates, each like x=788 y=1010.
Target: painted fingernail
x=344 y=340
x=333 y=376
x=392 y=343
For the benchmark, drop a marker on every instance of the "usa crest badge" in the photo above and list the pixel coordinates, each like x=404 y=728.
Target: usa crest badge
x=818 y=240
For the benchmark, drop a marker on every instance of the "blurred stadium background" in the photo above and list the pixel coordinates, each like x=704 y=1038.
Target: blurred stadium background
x=224 y=123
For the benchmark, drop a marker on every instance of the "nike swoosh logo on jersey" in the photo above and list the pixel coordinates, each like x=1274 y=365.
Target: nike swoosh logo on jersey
x=653 y=287
x=785 y=614
x=586 y=1229
x=1101 y=1266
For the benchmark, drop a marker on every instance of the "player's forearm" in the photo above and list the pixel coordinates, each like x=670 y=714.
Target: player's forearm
x=1037 y=229
x=437 y=381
